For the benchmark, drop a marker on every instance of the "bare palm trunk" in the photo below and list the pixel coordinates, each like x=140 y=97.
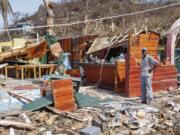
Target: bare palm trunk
x=5 y=9
x=65 y=28
x=7 y=30
x=86 y=26
x=86 y=18
x=50 y=16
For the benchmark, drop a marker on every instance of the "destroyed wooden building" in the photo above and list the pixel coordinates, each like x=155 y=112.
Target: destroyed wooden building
x=71 y=45
x=30 y=51
x=124 y=76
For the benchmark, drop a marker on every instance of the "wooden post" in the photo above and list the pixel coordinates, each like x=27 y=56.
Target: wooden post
x=34 y=71
x=6 y=72
x=39 y=72
x=22 y=73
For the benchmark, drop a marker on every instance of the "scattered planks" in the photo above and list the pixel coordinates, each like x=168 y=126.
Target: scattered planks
x=65 y=114
x=8 y=123
x=66 y=131
x=10 y=114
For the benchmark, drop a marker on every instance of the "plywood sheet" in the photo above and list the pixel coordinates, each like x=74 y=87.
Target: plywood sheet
x=63 y=95
x=38 y=103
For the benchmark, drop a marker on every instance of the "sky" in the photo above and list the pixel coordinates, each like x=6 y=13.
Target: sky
x=25 y=6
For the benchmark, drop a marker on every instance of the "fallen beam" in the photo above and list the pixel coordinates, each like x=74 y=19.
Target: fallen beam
x=19 y=96
x=66 y=131
x=8 y=123
x=65 y=114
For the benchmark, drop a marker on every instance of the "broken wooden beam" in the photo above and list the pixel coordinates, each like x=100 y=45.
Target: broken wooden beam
x=65 y=114
x=14 y=113
x=66 y=131
x=8 y=123
x=19 y=96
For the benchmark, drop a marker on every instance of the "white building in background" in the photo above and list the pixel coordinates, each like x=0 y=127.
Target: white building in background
x=26 y=26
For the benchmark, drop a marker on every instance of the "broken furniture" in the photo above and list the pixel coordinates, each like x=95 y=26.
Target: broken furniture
x=61 y=96
x=48 y=68
x=19 y=71
x=25 y=70
x=6 y=69
x=2 y=66
x=32 y=68
x=45 y=86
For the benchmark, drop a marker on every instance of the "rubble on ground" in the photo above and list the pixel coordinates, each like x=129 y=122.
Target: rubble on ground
x=121 y=116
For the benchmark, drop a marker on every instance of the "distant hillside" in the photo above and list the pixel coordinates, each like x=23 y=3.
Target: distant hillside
x=77 y=10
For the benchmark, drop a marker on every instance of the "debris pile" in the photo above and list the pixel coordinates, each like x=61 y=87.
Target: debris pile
x=60 y=67
x=117 y=117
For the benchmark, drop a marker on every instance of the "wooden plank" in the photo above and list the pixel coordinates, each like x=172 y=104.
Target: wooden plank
x=63 y=95
x=19 y=96
x=8 y=123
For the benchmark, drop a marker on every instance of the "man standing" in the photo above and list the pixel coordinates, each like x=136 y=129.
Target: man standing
x=148 y=64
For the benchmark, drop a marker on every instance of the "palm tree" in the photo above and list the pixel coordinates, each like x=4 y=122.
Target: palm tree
x=5 y=9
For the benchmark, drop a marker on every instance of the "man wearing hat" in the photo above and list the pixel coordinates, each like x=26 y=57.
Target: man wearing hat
x=148 y=64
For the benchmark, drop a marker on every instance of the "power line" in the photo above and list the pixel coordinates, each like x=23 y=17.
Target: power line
x=94 y=20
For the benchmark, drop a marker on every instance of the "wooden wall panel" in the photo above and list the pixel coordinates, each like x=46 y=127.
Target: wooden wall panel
x=63 y=95
x=68 y=46
x=92 y=74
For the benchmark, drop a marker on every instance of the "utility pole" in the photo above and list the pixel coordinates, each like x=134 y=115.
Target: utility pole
x=50 y=16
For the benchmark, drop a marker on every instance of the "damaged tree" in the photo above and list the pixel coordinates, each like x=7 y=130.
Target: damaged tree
x=50 y=16
x=5 y=9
